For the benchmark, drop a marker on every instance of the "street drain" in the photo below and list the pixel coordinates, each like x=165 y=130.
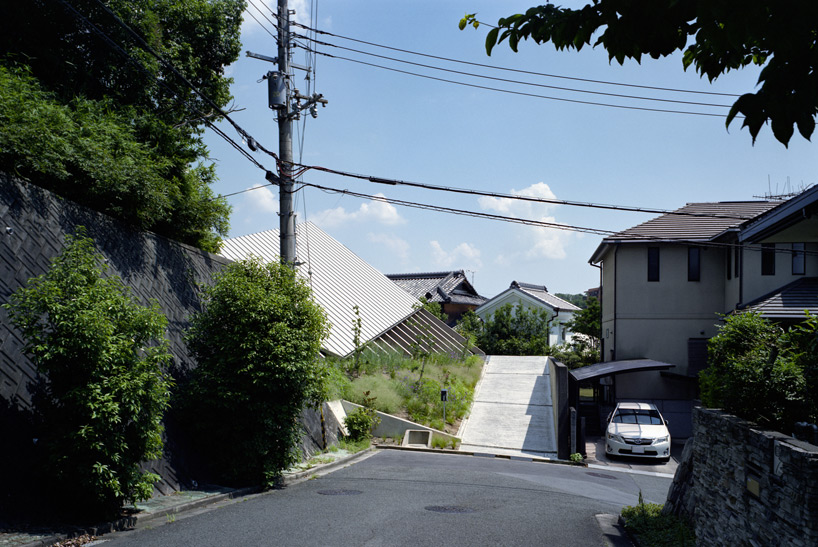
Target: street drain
x=339 y=492
x=602 y=476
x=449 y=509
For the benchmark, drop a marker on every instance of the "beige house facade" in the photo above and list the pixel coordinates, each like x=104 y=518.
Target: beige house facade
x=667 y=282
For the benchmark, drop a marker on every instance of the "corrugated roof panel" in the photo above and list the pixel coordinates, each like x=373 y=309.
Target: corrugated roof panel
x=339 y=280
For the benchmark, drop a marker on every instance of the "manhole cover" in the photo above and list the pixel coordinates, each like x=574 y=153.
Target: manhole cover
x=449 y=509
x=602 y=476
x=339 y=492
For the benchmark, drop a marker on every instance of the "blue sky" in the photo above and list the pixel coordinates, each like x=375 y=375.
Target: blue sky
x=391 y=125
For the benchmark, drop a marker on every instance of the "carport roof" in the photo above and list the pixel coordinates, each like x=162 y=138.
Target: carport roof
x=618 y=367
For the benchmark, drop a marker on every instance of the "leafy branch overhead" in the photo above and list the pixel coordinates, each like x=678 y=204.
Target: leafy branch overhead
x=715 y=36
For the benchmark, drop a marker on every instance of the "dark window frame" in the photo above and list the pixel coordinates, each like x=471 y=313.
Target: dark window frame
x=654 y=264
x=694 y=263
x=737 y=262
x=768 y=259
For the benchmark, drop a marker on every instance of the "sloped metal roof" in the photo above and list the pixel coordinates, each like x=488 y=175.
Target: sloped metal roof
x=339 y=280
x=791 y=301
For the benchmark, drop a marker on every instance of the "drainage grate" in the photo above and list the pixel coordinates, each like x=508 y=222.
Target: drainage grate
x=449 y=509
x=602 y=476
x=339 y=492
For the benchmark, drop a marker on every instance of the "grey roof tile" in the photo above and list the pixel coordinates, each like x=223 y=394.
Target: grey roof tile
x=789 y=302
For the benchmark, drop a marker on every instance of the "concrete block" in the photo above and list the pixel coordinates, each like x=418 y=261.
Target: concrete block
x=417 y=438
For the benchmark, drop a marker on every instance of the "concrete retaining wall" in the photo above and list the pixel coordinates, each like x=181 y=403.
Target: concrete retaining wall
x=740 y=485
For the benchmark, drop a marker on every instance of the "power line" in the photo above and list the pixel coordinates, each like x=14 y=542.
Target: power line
x=522 y=93
x=519 y=82
x=493 y=67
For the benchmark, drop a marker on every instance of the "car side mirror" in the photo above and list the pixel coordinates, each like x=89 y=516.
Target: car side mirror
x=667 y=423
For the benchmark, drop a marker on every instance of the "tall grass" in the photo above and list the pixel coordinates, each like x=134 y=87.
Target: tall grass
x=395 y=382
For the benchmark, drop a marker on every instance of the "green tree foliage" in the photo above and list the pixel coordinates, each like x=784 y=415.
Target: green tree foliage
x=64 y=47
x=586 y=322
x=435 y=308
x=256 y=344
x=510 y=330
x=762 y=372
x=102 y=355
x=716 y=36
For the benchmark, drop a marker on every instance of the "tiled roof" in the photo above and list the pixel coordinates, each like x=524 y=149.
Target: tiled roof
x=789 y=302
x=540 y=292
x=339 y=280
x=697 y=221
x=444 y=287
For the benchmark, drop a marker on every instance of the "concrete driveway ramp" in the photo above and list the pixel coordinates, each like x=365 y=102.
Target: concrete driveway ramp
x=513 y=413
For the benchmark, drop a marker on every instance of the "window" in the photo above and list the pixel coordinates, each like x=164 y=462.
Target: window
x=694 y=264
x=653 y=263
x=768 y=259
x=729 y=264
x=737 y=260
x=799 y=266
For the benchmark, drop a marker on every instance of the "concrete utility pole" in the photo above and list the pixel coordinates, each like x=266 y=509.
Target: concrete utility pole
x=285 y=141
x=285 y=100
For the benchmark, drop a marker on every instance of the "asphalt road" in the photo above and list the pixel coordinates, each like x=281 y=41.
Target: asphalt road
x=412 y=498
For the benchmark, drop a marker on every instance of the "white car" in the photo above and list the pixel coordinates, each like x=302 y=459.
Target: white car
x=637 y=429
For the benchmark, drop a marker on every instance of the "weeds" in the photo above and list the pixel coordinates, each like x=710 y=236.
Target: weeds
x=646 y=521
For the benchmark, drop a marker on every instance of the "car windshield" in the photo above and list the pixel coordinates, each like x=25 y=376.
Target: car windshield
x=637 y=416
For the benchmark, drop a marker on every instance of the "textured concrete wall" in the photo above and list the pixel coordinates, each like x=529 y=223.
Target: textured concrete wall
x=740 y=485
x=33 y=224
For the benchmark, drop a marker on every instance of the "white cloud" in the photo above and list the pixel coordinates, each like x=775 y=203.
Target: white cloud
x=463 y=256
x=539 y=242
x=393 y=243
x=377 y=210
x=261 y=201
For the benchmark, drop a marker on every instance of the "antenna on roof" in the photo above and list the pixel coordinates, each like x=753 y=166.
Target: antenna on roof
x=787 y=191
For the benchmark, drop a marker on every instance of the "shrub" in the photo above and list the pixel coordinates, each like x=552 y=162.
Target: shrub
x=646 y=521
x=102 y=355
x=256 y=343
x=362 y=420
x=762 y=373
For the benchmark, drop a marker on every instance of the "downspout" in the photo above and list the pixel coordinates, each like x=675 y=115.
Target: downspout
x=601 y=339
x=548 y=325
x=616 y=279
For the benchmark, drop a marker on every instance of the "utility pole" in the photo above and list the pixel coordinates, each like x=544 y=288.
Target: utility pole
x=285 y=101
x=285 y=141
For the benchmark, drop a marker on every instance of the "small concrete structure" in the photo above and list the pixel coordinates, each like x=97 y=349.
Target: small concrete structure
x=390 y=426
x=417 y=438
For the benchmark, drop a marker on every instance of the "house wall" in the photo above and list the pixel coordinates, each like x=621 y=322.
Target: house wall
x=518 y=298
x=655 y=319
x=756 y=285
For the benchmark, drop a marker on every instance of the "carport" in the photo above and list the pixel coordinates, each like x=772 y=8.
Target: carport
x=592 y=391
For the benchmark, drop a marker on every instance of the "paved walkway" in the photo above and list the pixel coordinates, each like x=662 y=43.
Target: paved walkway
x=512 y=413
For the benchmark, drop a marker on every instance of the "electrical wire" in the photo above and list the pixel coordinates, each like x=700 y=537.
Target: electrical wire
x=506 y=69
x=518 y=82
x=522 y=93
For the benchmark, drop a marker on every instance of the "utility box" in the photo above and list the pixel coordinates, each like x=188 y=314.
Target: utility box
x=276 y=90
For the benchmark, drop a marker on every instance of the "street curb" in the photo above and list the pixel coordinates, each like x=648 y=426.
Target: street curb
x=161 y=517
x=533 y=459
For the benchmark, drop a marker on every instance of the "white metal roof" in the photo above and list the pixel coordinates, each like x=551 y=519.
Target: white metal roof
x=339 y=281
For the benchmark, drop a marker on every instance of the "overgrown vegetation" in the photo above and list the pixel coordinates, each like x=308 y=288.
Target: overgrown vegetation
x=102 y=355
x=256 y=343
x=112 y=127
x=392 y=384
x=653 y=529
x=763 y=372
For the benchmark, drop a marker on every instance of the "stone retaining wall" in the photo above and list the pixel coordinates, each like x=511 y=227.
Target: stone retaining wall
x=740 y=485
